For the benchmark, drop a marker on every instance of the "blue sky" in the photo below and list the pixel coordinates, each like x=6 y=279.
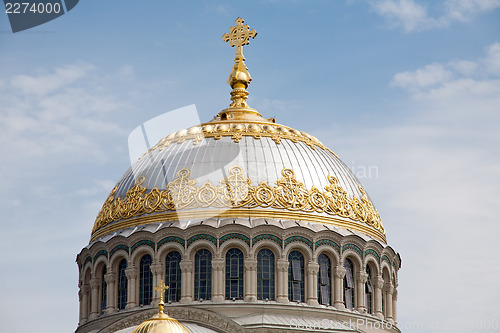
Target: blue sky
x=410 y=88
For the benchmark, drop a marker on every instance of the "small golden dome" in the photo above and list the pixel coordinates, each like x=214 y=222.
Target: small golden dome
x=161 y=323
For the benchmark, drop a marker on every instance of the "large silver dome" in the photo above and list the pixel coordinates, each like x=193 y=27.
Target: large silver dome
x=230 y=168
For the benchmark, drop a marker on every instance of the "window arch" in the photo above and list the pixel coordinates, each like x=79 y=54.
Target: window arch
x=104 y=290
x=203 y=274
x=369 y=291
x=265 y=275
x=324 y=280
x=173 y=276
x=296 y=277
x=122 y=285
x=145 y=281
x=234 y=274
x=348 y=284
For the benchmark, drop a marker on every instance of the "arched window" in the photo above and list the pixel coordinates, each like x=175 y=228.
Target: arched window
x=369 y=291
x=265 y=275
x=104 y=290
x=324 y=280
x=203 y=275
x=296 y=277
x=145 y=281
x=173 y=276
x=348 y=284
x=122 y=285
x=234 y=274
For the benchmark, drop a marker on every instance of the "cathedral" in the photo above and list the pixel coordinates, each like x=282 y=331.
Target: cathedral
x=239 y=224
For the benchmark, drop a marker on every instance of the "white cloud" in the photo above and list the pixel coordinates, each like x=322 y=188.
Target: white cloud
x=54 y=113
x=458 y=79
x=46 y=82
x=413 y=17
x=429 y=75
x=492 y=60
x=465 y=10
x=405 y=13
x=437 y=189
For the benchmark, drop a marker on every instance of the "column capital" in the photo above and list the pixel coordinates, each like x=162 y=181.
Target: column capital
x=282 y=265
x=395 y=294
x=312 y=267
x=251 y=264
x=186 y=266
x=389 y=288
x=339 y=272
x=362 y=277
x=131 y=272
x=378 y=282
x=156 y=269
x=110 y=277
x=94 y=283
x=85 y=288
x=218 y=264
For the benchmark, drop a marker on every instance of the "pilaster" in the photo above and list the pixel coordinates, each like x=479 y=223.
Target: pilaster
x=282 y=290
x=110 y=279
x=186 y=281
x=361 y=279
x=218 y=292
x=378 y=283
x=312 y=283
x=94 y=290
x=250 y=280
x=338 y=276
x=131 y=273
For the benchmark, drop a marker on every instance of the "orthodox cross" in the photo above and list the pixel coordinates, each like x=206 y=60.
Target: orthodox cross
x=238 y=36
x=161 y=287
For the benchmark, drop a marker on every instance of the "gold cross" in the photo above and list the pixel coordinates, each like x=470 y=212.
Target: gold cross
x=238 y=36
x=161 y=287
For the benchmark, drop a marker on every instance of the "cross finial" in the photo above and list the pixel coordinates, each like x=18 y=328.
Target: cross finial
x=238 y=36
x=161 y=287
x=239 y=78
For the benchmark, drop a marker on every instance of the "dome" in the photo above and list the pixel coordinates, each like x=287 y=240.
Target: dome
x=161 y=323
x=253 y=226
x=241 y=167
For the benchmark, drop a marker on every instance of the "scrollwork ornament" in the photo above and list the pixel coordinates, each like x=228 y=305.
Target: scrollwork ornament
x=236 y=191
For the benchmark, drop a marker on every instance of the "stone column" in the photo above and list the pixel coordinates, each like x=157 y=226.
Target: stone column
x=131 y=273
x=312 y=283
x=361 y=279
x=389 y=289
x=157 y=271
x=338 y=297
x=378 y=283
x=94 y=289
x=218 y=292
x=282 y=290
x=395 y=306
x=186 y=281
x=111 y=298
x=250 y=288
x=84 y=303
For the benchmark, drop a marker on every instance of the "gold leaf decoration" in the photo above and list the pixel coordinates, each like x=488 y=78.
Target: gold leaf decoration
x=236 y=191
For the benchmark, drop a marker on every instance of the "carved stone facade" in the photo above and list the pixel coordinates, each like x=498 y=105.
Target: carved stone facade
x=219 y=313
